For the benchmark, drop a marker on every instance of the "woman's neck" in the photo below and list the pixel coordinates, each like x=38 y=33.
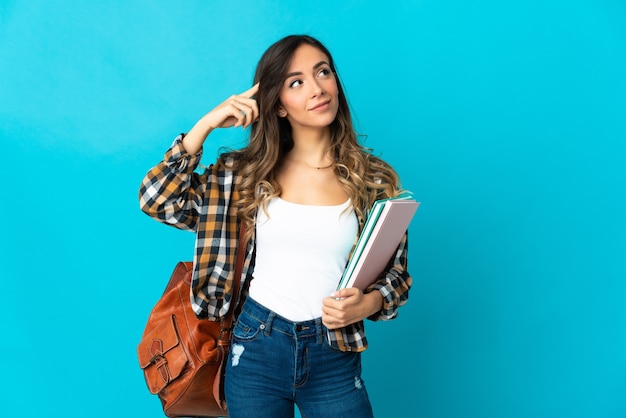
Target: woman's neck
x=311 y=148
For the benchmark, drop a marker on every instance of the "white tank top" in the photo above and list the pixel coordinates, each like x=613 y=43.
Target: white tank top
x=301 y=252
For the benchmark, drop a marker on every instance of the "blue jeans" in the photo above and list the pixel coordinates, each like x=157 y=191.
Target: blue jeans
x=275 y=363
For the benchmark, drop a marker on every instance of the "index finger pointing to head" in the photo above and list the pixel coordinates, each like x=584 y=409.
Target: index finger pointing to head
x=252 y=91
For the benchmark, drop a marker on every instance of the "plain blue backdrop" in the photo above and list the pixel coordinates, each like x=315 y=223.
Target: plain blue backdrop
x=507 y=119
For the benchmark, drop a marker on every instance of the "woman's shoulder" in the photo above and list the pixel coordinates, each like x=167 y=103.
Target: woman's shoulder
x=381 y=179
x=378 y=169
x=376 y=162
x=229 y=161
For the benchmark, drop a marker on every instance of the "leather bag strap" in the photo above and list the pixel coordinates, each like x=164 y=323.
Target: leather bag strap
x=240 y=257
x=226 y=331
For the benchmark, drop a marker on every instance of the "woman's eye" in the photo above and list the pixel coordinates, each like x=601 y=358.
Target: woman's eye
x=295 y=83
x=324 y=72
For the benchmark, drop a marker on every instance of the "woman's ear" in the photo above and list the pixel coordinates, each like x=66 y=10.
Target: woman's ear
x=282 y=112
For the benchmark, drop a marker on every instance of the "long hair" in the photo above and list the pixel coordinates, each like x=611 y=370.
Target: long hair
x=363 y=176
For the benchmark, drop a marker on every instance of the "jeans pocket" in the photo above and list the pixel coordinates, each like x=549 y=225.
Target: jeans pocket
x=247 y=328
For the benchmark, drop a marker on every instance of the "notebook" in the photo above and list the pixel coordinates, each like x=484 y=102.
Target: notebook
x=385 y=227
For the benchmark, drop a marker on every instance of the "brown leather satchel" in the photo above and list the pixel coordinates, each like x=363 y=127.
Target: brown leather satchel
x=183 y=357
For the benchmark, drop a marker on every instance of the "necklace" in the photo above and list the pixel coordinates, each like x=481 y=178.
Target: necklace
x=312 y=167
x=323 y=167
x=317 y=168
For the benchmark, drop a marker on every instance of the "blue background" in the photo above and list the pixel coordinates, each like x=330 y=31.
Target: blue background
x=506 y=118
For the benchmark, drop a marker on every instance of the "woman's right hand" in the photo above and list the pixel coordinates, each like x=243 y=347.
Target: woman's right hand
x=237 y=110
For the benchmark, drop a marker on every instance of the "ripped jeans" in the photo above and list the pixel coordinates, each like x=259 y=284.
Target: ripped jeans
x=275 y=364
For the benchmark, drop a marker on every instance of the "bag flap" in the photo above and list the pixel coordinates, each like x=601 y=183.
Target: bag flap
x=161 y=339
x=161 y=355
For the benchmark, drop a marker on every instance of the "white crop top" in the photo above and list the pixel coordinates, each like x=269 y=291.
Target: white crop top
x=301 y=252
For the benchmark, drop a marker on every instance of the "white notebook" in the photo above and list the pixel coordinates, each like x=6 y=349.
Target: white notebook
x=385 y=227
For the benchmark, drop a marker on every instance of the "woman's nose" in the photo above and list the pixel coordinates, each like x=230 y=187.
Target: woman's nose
x=316 y=88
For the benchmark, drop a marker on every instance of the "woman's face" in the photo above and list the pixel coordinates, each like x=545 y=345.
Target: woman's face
x=309 y=95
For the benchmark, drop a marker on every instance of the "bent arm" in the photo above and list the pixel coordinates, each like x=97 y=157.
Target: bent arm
x=171 y=192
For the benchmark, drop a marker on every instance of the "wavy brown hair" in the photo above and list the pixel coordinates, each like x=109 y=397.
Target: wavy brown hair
x=363 y=176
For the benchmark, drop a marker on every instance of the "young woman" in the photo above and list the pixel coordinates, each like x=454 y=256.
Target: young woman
x=302 y=186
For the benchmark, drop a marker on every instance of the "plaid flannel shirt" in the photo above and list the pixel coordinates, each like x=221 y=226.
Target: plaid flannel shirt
x=206 y=204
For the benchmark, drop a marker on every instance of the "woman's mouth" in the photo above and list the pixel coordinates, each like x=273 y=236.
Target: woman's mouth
x=320 y=106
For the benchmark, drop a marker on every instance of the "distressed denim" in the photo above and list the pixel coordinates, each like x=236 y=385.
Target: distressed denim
x=275 y=364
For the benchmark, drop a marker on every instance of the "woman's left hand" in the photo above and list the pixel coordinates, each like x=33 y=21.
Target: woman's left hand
x=348 y=306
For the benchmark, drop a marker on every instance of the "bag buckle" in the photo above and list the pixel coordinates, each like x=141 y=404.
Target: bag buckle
x=225 y=335
x=159 y=361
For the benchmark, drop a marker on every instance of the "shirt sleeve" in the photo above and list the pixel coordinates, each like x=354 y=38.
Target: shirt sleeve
x=394 y=284
x=171 y=192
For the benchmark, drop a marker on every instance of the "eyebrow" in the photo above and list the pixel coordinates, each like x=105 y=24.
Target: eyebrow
x=316 y=66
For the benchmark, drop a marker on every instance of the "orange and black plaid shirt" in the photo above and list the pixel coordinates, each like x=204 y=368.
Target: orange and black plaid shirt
x=173 y=193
